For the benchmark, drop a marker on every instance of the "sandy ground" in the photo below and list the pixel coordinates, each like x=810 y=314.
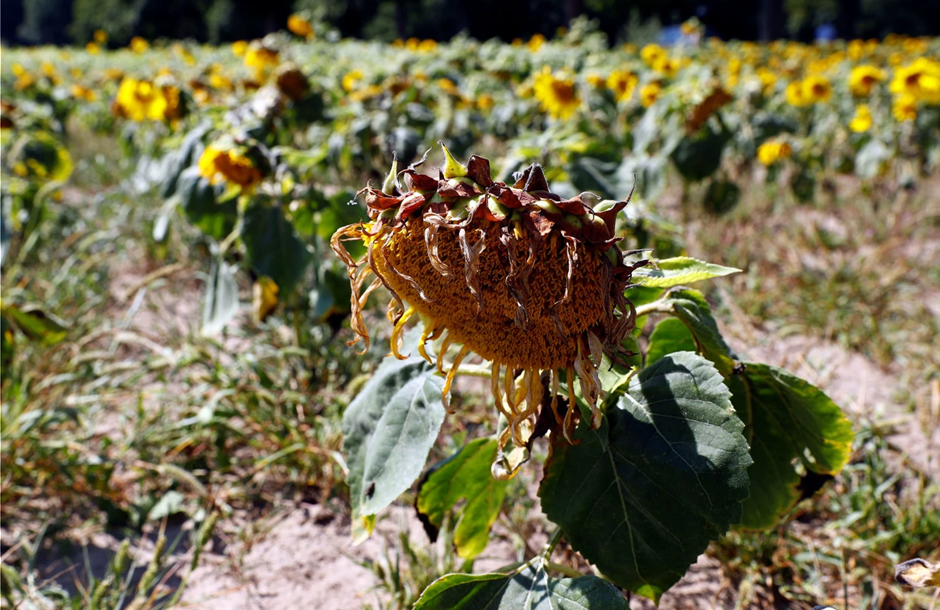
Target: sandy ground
x=306 y=559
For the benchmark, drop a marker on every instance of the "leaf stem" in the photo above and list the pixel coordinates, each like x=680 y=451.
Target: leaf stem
x=552 y=542
x=661 y=306
x=566 y=570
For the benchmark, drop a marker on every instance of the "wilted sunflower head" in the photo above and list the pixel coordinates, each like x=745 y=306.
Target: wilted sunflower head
x=515 y=274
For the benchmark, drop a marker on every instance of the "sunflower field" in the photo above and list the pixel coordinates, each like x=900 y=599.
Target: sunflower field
x=538 y=324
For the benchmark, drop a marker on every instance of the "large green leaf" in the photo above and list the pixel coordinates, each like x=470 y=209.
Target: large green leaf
x=691 y=307
x=465 y=475
x=200 y=202
x=388 y=430
x=787 y=419
x=666 y=472
x=273 y=247
x=677 y=271
x=669 y=336
x=530 y=589
x=221 y=298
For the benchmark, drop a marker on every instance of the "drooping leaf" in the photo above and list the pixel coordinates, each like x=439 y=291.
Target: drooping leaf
x=464 y=475
x=221 y=298
x=529 y=589
x=199 y=201
x=388 y=430
x=787 y=419
x=691 y=307
x=273 y=247
x=678 y=271
x=666 y=472
x=36 y=324
x=669 y=336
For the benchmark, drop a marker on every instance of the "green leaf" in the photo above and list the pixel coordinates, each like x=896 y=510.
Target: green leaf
x=678 y=271
x=666 y=472
x=37 y=325
x=530 y=589
x=787 y=419
x=388 y=430
x=273 y=247
x=169 y=504
x=200 y=203
x=669 y=336
x=221 y=298
x=691 y=307
x=465 y=475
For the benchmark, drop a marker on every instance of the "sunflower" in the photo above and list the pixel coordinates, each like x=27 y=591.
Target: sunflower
x=861 y=122
x=300 y=26
x=622 y=83
x=229 y=165
x=920 y=80
x=817 y=89
x=864 y=78
x=650 y=93
x=514 y=274
x=770 y=152
x=557 y=95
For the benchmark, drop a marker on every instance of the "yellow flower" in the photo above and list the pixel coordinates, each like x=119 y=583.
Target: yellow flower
x=557 y=95
x=92 y=48
x=82 y=93
x=864 y=78
x=861 y=122
x=535 y=43
x=412 y=43
x=218 y=81
x=485 y=101
x=667 y=66
x=817 y=89
x=767 y=78
x=24 y=81
x=649 y=94
x=139 y=45
x=260 y=59
x=651 y=53
x=770 y=152
x=114 y=74
x=264 y=297
x=448 y=86
x=794 y=94
x=18 y=69
x=100 y=36
x=300 y=26
x=218 y=165
x=427 y=46
x=904 y=107
x=920 y=80
x=596 y=80
x=622 y=83
x=351 y=79
x=856 y=50
x=140 y=100
x=239 y=47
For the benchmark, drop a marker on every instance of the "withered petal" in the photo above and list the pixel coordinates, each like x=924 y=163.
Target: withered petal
x=478 y=170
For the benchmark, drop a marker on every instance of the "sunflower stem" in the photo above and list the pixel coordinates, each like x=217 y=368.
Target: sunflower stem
x=475 y=370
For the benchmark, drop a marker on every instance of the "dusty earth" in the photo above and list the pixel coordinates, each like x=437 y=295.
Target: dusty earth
x=303 y=556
